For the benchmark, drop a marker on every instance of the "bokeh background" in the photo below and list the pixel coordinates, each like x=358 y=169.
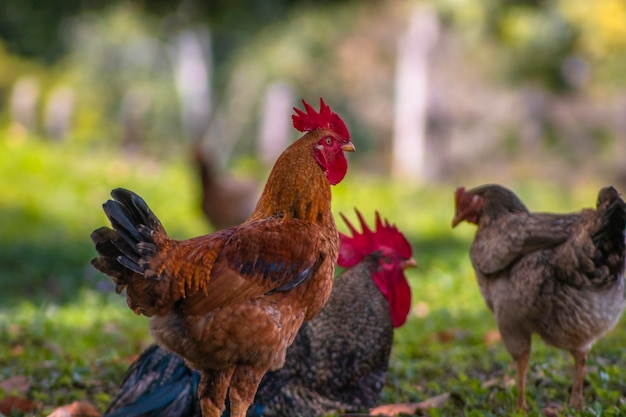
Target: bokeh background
x=521 y=88
x=436 y=94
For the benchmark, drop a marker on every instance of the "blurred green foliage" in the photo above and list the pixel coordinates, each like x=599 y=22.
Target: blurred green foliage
x=35 y=31
x=50 y=199
x=550 y=42
x=117 y=55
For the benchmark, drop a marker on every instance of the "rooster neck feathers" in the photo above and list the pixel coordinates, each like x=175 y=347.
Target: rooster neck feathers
x=296 y=187
x=299 y=184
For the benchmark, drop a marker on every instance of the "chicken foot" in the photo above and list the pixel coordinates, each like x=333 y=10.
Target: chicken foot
x=580 y=360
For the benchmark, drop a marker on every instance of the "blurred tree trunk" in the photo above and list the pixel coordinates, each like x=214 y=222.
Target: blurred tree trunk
x=275 y=127
x=59 y=113
x=411 y=96
x=191 y=59
x=24 y=100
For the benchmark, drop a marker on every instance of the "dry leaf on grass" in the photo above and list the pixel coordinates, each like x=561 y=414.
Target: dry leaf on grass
x=394 y=409
x=492 y=337
x=76 y=409
x=12 y=403
x=411 y=408
x=553 y=409
x=503 y=381
x=16 y=387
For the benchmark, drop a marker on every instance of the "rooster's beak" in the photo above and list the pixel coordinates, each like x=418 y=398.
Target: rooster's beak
x=409 y=263
x=456 y=220
x=348 y=147
x=474 y=206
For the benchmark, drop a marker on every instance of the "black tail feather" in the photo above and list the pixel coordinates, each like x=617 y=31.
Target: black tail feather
x=126 y=248
x=158 y=383
x=103 y=238
x=130 y=264
x=140 y=213
x=610 y=238
x=122 y=221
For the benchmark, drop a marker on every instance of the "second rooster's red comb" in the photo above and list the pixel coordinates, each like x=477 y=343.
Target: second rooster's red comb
x=354 y=248
x=324 y=119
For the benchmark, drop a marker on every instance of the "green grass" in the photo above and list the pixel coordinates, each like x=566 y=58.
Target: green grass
x=64 y=329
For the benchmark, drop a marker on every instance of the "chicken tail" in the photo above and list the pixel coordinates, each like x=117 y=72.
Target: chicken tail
x=126 y=250
x=609 y=238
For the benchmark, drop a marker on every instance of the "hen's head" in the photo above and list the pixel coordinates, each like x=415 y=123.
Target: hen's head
x=333 y=139
x=490 y=200
x=393 y=253
x=467 y=206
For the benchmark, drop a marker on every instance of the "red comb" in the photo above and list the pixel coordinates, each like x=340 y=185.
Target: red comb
x=325 y=119
x=354 y=249
x=458 y=193
x=460 y=202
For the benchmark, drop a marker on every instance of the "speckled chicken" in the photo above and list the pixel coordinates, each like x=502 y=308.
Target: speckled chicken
x=338 y=360
x=558 y=275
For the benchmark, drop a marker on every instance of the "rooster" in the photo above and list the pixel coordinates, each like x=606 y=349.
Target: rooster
x=231 y=302
x=338 y=360
x=558 y=275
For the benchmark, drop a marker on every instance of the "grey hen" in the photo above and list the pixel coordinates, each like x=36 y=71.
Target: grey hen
x=558 y=275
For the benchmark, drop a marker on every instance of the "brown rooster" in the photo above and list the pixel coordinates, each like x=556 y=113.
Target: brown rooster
x=558 y=275
x=231 y=302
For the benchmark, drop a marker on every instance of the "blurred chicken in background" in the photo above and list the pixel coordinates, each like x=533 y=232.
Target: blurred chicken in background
x=225 y=201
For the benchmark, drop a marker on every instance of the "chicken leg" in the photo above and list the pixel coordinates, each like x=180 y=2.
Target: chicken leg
x=243 y=387
x=520 y=379
x=580 y=359
x=212 y=390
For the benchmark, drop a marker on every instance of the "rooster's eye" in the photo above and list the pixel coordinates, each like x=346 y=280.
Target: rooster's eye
x=329 y=140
